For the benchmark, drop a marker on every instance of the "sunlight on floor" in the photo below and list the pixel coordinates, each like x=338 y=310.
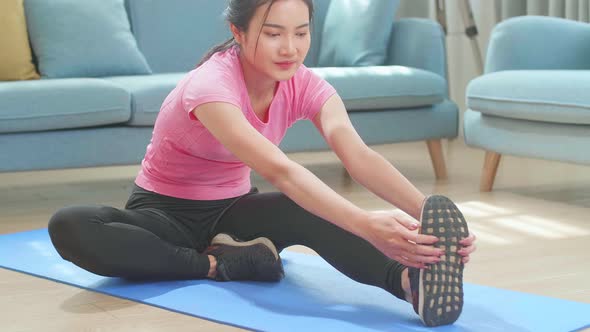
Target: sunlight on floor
x=488 y=235
x=501 y=226
x=561 y=228
x=478 y=209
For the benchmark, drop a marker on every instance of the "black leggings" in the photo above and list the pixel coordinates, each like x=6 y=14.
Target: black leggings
x=162 y=237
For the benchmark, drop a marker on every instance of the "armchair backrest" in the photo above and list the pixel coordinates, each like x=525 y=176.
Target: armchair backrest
x=538 y=42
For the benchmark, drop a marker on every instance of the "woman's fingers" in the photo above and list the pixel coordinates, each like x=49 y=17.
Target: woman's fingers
x=466 y=251
x=427 y=251
x=409 y=262
x=407 y=221
x=418 y=250
x=469 y=246
x=468 y=240
x=417 y=253
x=415 y=237
x=421 y=253
x=424 y=259
x=425 y=239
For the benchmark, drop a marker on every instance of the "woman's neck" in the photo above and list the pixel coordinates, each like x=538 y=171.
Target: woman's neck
x=259 y=88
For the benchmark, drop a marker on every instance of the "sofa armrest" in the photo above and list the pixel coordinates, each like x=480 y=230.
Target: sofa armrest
x=418 y=43
x=538 y=42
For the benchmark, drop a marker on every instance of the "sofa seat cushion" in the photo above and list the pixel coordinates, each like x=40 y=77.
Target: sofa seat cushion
x=384 y=87
x=60 y=104
x=559 y=96
x=147 y=94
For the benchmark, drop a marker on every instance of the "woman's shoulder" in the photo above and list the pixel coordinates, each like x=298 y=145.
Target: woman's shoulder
x=216 y=80
x=219 y=72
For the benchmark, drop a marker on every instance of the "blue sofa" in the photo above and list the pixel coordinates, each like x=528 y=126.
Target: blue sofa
x=84 y=122
x=533 y=99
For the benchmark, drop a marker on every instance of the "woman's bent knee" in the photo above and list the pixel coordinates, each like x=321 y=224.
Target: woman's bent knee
x=66 y=218
x=67 y=225
x=72 y=216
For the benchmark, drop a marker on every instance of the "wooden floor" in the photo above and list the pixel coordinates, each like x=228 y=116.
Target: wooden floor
x=533 y=229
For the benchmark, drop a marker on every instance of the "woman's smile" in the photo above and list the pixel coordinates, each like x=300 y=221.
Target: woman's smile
x=285 y=64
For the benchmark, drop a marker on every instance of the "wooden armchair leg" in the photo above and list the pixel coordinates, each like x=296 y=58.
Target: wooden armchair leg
x=438 y=160
x=490 y=168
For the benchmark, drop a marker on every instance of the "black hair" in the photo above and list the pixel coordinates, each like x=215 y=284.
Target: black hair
x=240 y=13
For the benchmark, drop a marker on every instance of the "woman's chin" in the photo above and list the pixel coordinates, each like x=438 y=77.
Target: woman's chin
x=284 y=75
x=285 y=78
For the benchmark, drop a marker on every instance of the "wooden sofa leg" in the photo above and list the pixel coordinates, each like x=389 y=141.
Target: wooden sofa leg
x=438 y=160
x=488 y=174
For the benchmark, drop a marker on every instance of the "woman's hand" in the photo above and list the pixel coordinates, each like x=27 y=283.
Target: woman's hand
x=395 y=234
x=469 y=247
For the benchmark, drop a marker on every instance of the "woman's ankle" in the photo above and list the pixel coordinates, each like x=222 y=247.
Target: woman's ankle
x=212 y=267
x=406 y=285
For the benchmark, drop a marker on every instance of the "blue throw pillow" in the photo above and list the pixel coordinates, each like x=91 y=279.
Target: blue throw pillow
x=83 y=38
x=357 y=32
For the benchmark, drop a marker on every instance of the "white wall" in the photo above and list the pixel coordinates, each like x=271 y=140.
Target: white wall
x=460 y=49
x=460 y=55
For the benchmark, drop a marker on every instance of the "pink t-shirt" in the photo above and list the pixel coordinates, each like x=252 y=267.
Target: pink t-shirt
x=185 y=160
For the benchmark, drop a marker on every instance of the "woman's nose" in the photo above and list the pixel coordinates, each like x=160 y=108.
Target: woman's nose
x=288 y=46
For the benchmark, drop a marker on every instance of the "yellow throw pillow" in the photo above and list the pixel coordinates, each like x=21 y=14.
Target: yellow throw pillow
x=16 y=61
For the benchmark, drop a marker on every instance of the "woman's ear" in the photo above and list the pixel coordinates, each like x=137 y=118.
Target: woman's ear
x=236 y=33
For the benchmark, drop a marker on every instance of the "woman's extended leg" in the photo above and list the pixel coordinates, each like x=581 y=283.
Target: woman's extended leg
x=277 y=217
x=136 y=244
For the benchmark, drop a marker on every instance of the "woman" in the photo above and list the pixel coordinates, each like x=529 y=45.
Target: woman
x=193 y=213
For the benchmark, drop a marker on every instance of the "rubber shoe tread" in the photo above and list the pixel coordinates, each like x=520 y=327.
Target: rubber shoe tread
x=437 y=293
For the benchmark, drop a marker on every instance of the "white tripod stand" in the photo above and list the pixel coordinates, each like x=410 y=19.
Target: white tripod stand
x=470 y=27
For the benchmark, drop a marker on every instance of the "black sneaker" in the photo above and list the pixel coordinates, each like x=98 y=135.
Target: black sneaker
x=252 y=260
x=437 y=293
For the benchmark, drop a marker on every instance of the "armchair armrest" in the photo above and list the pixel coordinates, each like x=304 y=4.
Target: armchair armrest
x=418 y=43
x=538 y=42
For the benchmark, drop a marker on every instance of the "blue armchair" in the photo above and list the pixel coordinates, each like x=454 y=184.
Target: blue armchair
x=533 y=100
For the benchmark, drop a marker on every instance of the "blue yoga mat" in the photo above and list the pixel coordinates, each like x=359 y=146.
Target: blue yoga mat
x=312 y=297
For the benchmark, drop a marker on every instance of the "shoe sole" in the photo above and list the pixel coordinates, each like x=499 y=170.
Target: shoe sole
x=228 y=240
x=441 y=286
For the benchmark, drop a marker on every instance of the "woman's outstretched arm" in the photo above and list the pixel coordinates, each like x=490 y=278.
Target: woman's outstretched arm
x=370 y=169
x=364 y=165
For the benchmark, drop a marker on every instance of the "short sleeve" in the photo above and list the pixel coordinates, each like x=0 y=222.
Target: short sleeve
x=205 y=87
x=313 y=92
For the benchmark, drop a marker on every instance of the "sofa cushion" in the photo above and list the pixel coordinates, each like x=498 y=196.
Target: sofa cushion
x=61 y=103
x=92 y=38
x=147 y=94
x=174 y=34
x=540 y=95
x=357 y=32
x=16 y=60
x=384 y=87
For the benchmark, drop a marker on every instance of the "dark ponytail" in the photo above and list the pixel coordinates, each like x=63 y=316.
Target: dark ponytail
x=240 y=13
x=226 y=45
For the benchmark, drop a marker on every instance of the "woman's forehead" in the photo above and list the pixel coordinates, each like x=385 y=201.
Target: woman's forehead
x=284 y=13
